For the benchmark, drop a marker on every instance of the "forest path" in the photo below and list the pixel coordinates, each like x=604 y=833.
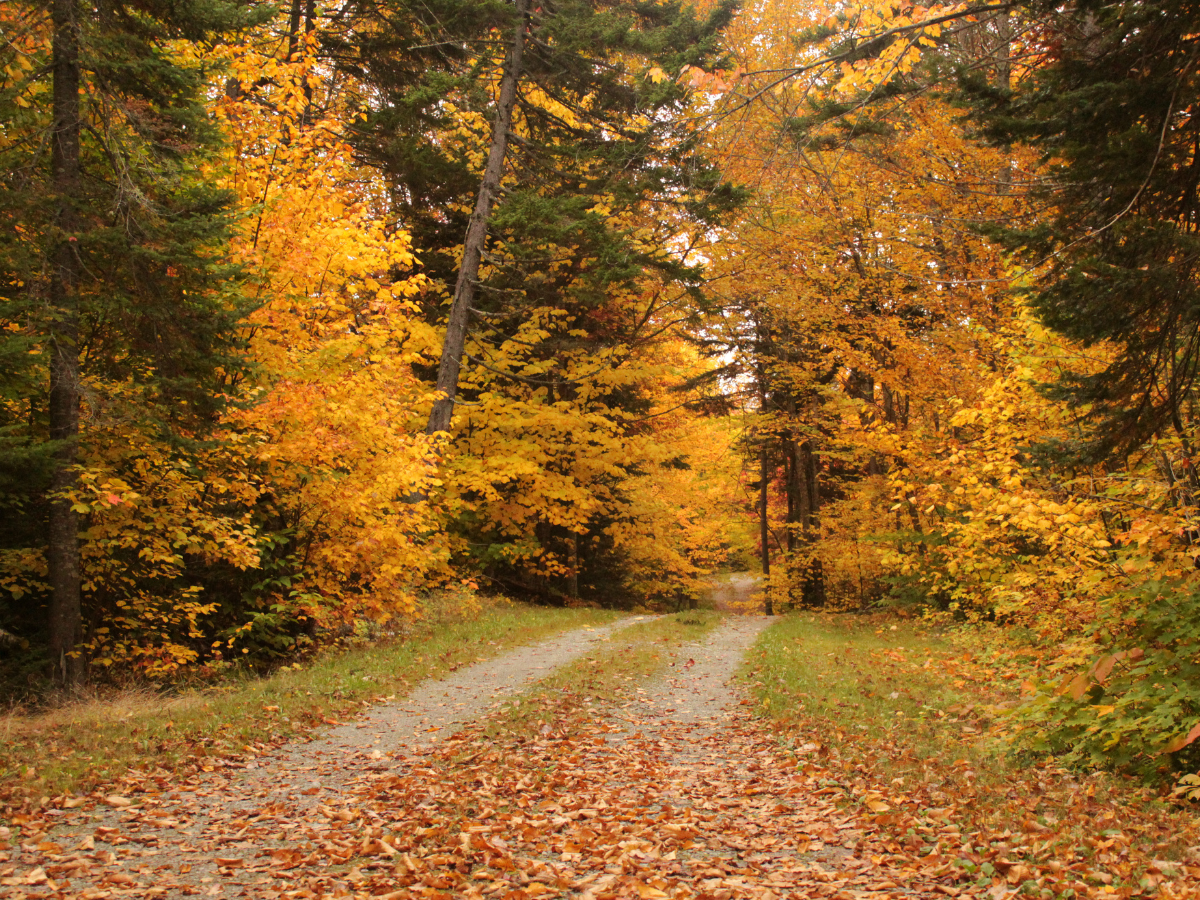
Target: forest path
x=180 y=832
x=676 y=791
x=738 y=593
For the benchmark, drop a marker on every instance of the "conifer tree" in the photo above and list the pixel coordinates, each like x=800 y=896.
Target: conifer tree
x=1110 y=103
x=596 y=107
x=111 y=258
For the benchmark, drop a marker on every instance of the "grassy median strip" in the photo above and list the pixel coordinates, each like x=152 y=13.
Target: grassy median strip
x=87 y=743
x=628 y=658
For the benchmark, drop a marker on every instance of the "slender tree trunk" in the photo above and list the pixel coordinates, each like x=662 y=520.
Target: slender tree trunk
x=573 y=580
x=792 y=479
x=764 y=523
x=814 y=572
x=294 y=30
x=477 y=231
x=310 y=25
x=764 y=526
x=63 y=536
x=1003 y=52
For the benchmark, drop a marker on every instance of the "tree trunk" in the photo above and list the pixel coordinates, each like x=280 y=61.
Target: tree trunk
x=795 y=502
x=764 y=526
x=294 y=31
x=764 y=529
x=573 y=579
x=813 y=591
x=310 y=25
x=63 y=536
x=477 y=231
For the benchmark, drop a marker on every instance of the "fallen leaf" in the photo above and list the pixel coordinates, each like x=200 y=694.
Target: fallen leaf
x=646 y=892
x=1183 y=740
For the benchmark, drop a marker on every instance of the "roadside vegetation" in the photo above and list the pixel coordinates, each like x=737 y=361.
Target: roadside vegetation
x=88 y=741
x=912 y=727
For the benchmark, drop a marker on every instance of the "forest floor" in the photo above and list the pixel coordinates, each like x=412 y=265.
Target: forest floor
x=621 y=760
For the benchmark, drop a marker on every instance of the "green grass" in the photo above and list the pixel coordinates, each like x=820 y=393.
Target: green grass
x=87 y=743
x=885 y=712
x=631 y=656
x=877 y=680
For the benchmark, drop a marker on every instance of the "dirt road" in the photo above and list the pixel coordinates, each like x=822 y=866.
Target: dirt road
x=676 y=791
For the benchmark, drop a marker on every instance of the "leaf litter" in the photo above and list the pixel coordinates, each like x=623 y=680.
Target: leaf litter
x=677 y=792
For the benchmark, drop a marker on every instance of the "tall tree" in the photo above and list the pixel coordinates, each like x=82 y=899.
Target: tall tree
x=586 y=93
x=477 y=230
x=62 y=550
x=1107 y=94
x=112 y=265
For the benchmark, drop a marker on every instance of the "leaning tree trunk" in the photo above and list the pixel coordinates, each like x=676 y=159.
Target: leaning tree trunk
x=63 y=536
x=477 y=231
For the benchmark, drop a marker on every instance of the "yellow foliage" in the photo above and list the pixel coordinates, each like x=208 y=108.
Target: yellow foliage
x=335 y=343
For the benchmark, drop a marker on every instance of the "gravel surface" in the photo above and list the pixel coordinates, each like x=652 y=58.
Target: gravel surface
x=688 y=724
x=738 y=592
x=700 y=694
x=678 y=792
x=189 y=841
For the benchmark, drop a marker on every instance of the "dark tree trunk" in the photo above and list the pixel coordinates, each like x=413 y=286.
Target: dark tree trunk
x=310 y=24
x=813 y=590
x=764 y=522
x=764 y=525
x=294 y=29
x=573 y=578
x=477 y=231
x=63 y=537
x=794 y=490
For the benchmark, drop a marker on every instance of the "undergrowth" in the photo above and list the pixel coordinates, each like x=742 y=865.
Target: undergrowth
x=909 y=727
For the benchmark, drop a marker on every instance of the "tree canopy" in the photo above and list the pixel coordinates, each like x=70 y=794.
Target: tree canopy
x=312 y=309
